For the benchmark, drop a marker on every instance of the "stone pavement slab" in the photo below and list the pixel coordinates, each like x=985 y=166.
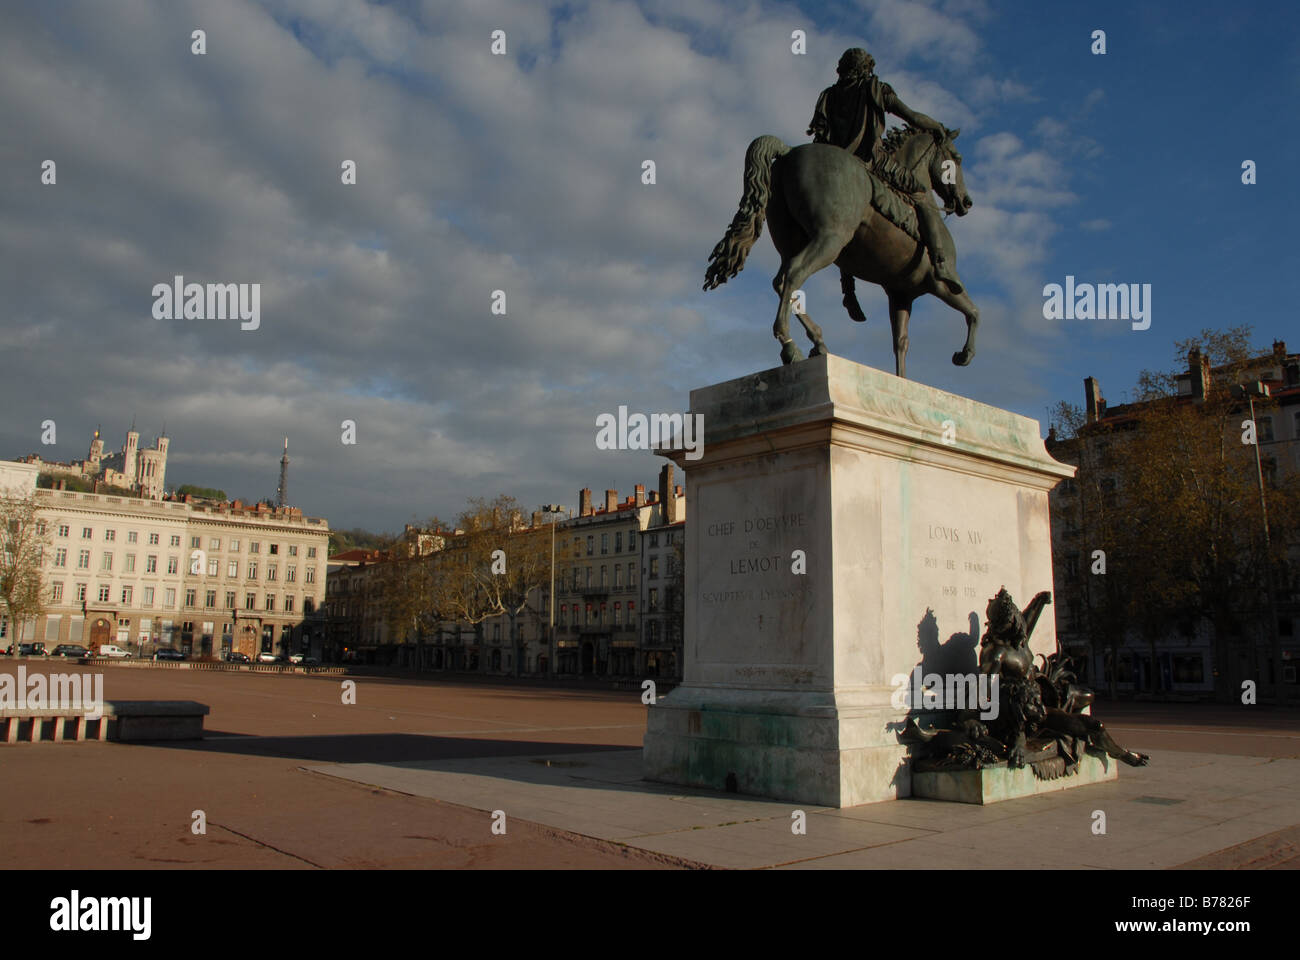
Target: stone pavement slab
x=1182 y=807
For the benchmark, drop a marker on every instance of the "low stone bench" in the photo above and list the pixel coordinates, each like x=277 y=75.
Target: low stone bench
x=123 y=720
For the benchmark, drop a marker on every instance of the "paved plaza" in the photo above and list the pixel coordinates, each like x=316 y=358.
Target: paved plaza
x=410 y=776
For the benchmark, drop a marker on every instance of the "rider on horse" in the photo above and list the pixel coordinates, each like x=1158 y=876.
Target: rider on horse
x=851 y=114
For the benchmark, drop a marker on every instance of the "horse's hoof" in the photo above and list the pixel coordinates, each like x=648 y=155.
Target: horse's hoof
x=790 y=353
x=818 y=350
x=963 y=358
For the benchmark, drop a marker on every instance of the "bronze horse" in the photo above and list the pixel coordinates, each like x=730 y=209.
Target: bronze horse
x=817 y=198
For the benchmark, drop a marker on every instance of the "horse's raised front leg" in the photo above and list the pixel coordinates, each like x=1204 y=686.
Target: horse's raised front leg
x=962 y=303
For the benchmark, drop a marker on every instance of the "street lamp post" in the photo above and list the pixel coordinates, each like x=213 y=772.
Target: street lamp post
x=554 y=509
x=1250 y=391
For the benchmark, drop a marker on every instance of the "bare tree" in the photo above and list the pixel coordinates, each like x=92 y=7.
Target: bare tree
x=496 y=565
x=23 y=542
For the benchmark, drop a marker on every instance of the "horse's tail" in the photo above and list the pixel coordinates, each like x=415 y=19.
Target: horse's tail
x=728 y=257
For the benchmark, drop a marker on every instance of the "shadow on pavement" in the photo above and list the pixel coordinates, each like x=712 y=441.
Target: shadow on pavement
x=374 y=747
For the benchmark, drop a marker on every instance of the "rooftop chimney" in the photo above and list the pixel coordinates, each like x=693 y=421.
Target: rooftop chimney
x=1198 y=367
x=1279 y=350
x=611 y=501
x=666 y=491
x=584 y=502
x=640 y=494
x=1092 y=400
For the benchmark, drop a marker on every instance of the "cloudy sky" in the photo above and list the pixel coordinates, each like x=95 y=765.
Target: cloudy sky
x=523 y=173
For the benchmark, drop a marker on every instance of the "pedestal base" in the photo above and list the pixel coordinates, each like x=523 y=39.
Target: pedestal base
x=997 y=783
x=847 y=529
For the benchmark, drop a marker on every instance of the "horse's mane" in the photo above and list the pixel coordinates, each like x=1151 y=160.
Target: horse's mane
x=895 y=137
x=888 y=165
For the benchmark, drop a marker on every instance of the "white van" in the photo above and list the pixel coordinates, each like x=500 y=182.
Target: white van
x=111 y=650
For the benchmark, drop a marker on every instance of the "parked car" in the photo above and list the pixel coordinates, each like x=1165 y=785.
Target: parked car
x=71 y=650
x=236 y=657
x=311 y=661
x=29 y=649
x=168 y=653
x=268 y=658
x=113 y=650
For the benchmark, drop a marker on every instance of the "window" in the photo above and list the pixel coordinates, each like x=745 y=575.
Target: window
x=176 y=540
x=56 y=592
x=252 y=570
x=311 y=553
x=290 y=574
x=63 y=529
x=591 y=545
x=618 y=576
x=214 y=543
x=130 y=563
x=81 y=593
x=575 y=578
x=83 y=560
x=151 y=564
x=577 y=546
x=230 y=600
x=288 y=604
x=153 y=539
x=668 y=538
x=173 y=564
x=169 y=601
x=126 y=594
x=61 y=557
x=631 y=574
x=654 y=568
x=311 y=575
x=210 y=599
x=86 y=533
x=1265 y=429
x=293 y=550
x=234 y=545
x=213 y=566
x=654 y=539
x=250 y=601
x=103 y=592
x=106 y=561
x=148 y=596
x=190 y=597
x=254 y=546
x=589 y=576
x=604 y=544
x=631 y=539
x=270 y=571
x=654 y=598
x=270 y=603
x=618 y=614
x=110 y=536
x=307 y=605
x=604 y=576
x=196 y=543
x=40 y=528
x=618 y=542
x=132 y=536
x=275 y=549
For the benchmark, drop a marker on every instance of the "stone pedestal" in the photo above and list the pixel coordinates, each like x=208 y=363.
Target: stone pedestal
x=997 y=783
x=846 y=527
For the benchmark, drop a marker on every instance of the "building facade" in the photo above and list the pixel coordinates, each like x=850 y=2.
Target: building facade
x=1183 y=660
x=204 y=578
